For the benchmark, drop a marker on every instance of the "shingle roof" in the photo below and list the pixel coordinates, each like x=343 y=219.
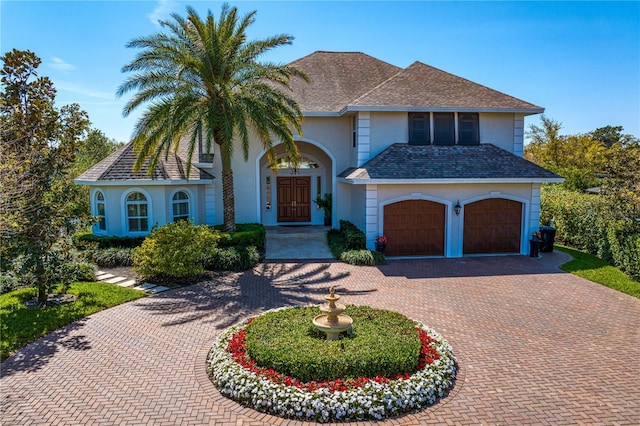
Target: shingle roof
x=340 y=80
x=337 y=78
x=485 y=161
x=119 y=166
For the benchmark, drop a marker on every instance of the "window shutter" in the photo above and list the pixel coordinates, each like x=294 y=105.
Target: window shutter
x=443 y=128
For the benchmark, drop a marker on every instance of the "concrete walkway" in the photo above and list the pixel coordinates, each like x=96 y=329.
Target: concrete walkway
x=535 y=346
x=297 y=242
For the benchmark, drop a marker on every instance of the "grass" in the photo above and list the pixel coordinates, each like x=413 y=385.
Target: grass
x=20 y=325
x=594 y=269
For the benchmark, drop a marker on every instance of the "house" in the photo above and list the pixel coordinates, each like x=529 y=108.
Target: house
x=431 y=160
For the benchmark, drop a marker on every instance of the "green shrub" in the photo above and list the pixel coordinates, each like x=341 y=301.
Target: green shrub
x=81 y=239
x=247 y=234
x=362 y=257
x=381 y=342
x=587 y=222
x=176 y=250
x=239 y=258
x=341 y=244
x=111 y=257
x=354 y=238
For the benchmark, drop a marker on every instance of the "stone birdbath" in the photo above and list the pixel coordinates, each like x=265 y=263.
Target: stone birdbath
x=332 y=322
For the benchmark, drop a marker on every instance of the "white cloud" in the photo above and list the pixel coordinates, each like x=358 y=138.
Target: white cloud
x=61 y=65
x=162 y=11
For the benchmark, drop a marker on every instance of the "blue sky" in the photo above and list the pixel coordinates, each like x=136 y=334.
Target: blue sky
x=579 y=60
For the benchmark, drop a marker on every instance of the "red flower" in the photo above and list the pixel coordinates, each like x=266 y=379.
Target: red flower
x=236 y=346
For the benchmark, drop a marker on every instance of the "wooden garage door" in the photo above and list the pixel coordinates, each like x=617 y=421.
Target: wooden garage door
x=492 y=226
x=414 y=227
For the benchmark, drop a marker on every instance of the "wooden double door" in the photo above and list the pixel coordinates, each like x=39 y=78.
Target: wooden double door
x=294 y=199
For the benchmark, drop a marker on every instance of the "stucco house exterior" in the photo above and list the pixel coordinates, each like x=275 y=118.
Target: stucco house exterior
x=431 y=160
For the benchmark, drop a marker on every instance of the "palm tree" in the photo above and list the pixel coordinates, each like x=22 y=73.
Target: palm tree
x=203 y=79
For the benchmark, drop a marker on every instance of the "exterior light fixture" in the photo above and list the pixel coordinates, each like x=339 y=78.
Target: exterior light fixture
x=457 y=208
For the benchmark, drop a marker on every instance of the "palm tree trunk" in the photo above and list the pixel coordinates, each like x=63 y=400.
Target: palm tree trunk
x=228 y=197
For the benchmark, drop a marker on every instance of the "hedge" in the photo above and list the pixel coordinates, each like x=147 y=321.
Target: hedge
x=586 y=221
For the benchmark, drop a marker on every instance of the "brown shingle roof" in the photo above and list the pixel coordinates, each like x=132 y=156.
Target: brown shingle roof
x=337 y=78
x=403 y=161
x=119 y=166
x=340 y=80
x=421 y=85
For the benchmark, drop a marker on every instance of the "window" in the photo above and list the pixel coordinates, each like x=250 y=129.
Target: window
x=304 y=163
x=267 y=184
x=468 y=129
x=354 y=130
x=101 y=225
x=180 y=206
x=419 y=130
x=137 y=214
x=443 y=128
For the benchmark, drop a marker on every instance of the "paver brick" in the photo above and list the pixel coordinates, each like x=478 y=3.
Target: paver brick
x=535 y=346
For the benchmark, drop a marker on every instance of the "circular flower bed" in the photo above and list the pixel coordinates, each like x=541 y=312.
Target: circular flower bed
x=240 y=378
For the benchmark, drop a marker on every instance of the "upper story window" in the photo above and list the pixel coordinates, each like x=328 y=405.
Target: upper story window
x=354 y=130
x=468 y=128
x=137 y=212
x=439 y=128
x=419 y=128
x=101 y=225
x=443 y=128
x=180 y=206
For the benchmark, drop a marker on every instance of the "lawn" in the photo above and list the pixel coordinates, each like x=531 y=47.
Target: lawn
x=20 y=325
x=594 y=269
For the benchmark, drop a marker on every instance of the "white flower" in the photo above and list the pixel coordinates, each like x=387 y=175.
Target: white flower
x=380 y=399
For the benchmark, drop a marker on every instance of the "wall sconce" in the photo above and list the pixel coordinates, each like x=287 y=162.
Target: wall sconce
x=457 y=208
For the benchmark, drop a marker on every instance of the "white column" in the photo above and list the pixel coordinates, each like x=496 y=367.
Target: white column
x=534 y=218
x=210 y=204
x=518 y=135
x=363 y=145
x=371 y=215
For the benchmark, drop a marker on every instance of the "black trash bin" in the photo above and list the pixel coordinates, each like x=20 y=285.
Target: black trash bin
x=548 y=237
x=534 y=246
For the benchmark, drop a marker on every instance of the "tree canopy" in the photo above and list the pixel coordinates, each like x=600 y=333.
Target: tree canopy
x=38 y=146
x=202 y=78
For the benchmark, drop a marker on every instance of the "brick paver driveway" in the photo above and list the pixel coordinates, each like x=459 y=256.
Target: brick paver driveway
x=535 y=346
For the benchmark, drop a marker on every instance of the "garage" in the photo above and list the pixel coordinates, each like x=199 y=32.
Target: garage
x=414 y=228
x=492 y=226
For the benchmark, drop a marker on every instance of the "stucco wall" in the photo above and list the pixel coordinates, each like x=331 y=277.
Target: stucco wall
x=388 y=128
x=497 y=129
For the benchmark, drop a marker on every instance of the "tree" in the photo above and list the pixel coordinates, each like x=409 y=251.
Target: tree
x=578 y=158
x=202 y=78
x=38 y=144
x=611 y=135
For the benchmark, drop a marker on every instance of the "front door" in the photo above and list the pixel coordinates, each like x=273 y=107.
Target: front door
x=294 y=199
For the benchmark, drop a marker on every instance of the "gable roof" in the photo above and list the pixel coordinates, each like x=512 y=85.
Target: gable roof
x=119 y=167
x=447 y=164
x=352 y=81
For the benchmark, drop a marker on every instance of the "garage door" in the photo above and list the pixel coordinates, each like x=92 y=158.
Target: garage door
x=492 y=226
x=414 y=227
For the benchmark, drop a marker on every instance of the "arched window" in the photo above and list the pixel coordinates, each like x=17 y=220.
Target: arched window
x=180 y=206
x=101 y=225
x=137 y=212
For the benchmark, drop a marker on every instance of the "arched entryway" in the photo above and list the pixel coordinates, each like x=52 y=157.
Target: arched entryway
x=493 y=225
x=287 y=196
x=415 y=228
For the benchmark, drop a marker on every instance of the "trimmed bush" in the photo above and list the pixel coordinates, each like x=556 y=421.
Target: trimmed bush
x=237 y=258
x=111 y=257
x=80 y=240
x=349 y=245
x=381 y=342
x=587 y=222
x=247 y=234
x=176 y=250
x=362 y=257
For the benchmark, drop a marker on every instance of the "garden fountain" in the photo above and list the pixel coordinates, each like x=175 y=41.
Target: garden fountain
x=332 y=322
